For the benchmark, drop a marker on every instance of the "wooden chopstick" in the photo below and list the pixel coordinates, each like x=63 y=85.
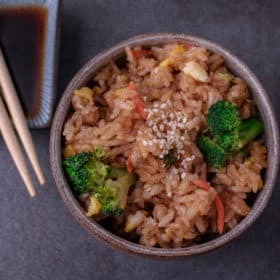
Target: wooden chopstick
x=13 y=104
x=12 y=143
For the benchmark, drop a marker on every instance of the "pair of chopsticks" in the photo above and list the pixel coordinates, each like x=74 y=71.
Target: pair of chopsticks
x=9 y=135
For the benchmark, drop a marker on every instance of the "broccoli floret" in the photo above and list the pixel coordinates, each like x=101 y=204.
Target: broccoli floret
x=235 y=140
x=213 y=153
x=218 y=151
x=116 y=173
x=227 y=140
x=230 y=133
x=109 y=185
x=85 y=170
x=171 y=158
x=99 y=153
x=222 y=117
x=113 y=194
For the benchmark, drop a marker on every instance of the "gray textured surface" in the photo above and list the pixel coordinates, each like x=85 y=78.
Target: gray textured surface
x=39 y=239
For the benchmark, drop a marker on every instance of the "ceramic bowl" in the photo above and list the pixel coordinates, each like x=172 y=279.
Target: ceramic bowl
x=265 y=111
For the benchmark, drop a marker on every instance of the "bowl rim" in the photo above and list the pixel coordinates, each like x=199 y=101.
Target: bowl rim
x=263 y=104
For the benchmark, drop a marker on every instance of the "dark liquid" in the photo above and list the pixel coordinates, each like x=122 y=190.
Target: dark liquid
x=22 y=37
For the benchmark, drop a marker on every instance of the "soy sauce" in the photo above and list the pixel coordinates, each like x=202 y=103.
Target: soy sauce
x=22 y=38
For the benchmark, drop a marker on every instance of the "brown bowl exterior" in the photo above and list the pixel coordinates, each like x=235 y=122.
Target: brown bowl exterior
x=266 y=114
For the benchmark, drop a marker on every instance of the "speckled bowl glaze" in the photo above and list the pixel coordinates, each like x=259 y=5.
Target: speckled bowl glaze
x=265 y=111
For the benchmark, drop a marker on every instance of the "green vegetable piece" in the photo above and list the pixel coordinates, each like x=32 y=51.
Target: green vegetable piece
x=213 y=153
x=228 y=141
x=113 y=194
x=87 y=173
x=84 y=170
x=116 y=173
x=222 y=117
x=171 y=158
x=237 y=139
x=248 y=131
x=230 y=133
x=99 y=152
x=227 y=77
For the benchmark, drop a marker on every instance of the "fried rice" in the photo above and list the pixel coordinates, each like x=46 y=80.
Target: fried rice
x=177 y=84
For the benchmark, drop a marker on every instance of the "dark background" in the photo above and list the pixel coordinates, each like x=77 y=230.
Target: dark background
x=39 y=239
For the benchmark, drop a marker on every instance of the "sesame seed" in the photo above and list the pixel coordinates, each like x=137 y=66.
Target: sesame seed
x=167 y=129
x=183 y=175
x=190 y=158
x=175 y=170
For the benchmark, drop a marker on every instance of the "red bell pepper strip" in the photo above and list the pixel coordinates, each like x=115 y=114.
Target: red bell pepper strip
x=220 y=213
x=128 y=164
x=202 y=184
x=188 y=46
x=139 y=106
x=218 y=203
x=132 y=85
x=141 y=53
